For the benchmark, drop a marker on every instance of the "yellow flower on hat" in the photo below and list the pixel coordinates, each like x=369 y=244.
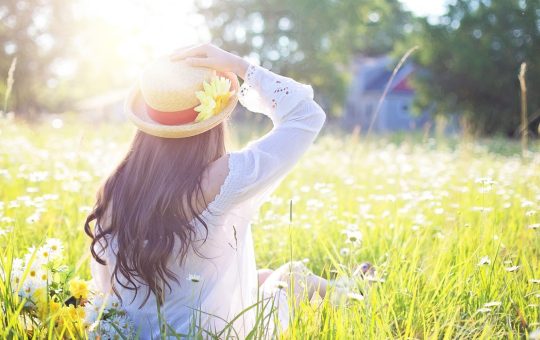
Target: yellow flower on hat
x=214 y=97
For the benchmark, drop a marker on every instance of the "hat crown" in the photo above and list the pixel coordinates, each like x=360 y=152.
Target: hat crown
x=170 y=86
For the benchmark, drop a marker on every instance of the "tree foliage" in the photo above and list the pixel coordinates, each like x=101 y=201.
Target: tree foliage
x=62 y=54
x=472 y=58
x=312 y=41
x=36 y=32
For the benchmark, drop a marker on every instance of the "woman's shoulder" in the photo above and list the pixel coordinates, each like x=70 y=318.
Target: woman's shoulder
x=212 y=179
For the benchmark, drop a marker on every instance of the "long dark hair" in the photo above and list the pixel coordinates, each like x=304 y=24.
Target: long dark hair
x=154 y=190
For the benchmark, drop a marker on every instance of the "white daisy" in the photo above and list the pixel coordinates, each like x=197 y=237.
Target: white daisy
x=55 y=248
x=194 y=278
x=281 y=285
x=355 y=296
x=512 y=269
x=28 y=288
x=492 y=304
x=112 y=302
x=484 y=261
x=484 y=310
x=353 y=236
x=91 y=313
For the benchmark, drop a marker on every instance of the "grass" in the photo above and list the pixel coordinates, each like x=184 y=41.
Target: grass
x=428 y=213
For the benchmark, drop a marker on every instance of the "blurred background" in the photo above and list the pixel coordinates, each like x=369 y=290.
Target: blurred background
x=78 y=57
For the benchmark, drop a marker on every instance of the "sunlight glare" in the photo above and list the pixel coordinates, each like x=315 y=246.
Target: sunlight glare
x=158 y=25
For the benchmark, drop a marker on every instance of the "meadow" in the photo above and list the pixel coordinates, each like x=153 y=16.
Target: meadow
x=452 y=227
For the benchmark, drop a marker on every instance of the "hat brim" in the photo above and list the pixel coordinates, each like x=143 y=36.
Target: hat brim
x=135 y=110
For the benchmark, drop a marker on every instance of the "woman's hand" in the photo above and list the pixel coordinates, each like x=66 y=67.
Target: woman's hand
x=211 y=56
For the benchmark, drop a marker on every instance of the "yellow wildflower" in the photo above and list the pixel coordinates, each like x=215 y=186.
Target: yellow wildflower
x=45 y=310
x=214 y=97
x=71 y=318
x=40 y=295
x=72 y=313
x=54 y=306
x=78 y=288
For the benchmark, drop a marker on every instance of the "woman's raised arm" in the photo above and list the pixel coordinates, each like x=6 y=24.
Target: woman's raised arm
x=257 y=169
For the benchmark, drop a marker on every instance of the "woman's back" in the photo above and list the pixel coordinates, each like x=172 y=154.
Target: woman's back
x=218 y=279
x=211 y=279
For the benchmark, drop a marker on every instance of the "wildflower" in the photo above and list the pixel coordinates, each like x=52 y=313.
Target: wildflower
x=484 y=310
x=486 y=181
x=46 y=308
x=281 y=284
x=118 y=326
x=372 y=278
x=54 y=306
x=534 y=226
x=36 y=271
x=72 y=313
x=5 y=231
x=33 y=218
x=194 y=278
x=214 y=97
x=492 y=304
x=57 y=123
x=355 y=296
x=534 y=280
x=535 y=335
x=344 y=251
x=28 y=288
x=112 y=302
x=40 y=295
x=78 y=288
x=482 y=209
x=353 y=236
x=55 y=248
x=484 y=261
x=91 y=313
x=512 y=269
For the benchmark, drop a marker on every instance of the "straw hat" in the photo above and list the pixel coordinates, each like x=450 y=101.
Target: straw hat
x=162 y=103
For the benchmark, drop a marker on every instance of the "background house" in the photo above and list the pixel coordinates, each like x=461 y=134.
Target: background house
x=108 y=106
x=371 y=74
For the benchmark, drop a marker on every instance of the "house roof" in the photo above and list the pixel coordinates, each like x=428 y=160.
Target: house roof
x=400 y=83
x=104 y=99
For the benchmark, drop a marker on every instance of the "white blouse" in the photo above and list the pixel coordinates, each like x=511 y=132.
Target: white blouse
x=227 y=273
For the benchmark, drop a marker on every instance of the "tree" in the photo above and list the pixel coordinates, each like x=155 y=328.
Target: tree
x=35 y=32
x=472 y=58
x=312 y=41
x=62 y=54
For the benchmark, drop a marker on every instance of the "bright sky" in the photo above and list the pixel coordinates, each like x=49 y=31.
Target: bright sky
x=160 y=23
x=150 y=28
x=431 y=8
x=166 y=23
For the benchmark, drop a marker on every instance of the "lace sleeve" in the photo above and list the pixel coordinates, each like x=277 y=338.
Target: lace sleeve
x=256 y=170
x=263 y=90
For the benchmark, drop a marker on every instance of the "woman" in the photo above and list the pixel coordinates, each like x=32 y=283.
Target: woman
x=177 y=239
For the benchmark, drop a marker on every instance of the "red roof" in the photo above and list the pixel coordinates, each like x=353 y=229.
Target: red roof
x=404 y=85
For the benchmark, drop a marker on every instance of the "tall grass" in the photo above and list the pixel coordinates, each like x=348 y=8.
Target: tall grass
x=453 y=230
x=9 y=82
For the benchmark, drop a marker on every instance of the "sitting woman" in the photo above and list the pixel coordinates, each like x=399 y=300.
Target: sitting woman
x=172 y=237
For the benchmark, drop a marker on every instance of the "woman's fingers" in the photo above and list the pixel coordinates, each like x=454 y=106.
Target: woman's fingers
x=196 y=51
x=202 y=62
